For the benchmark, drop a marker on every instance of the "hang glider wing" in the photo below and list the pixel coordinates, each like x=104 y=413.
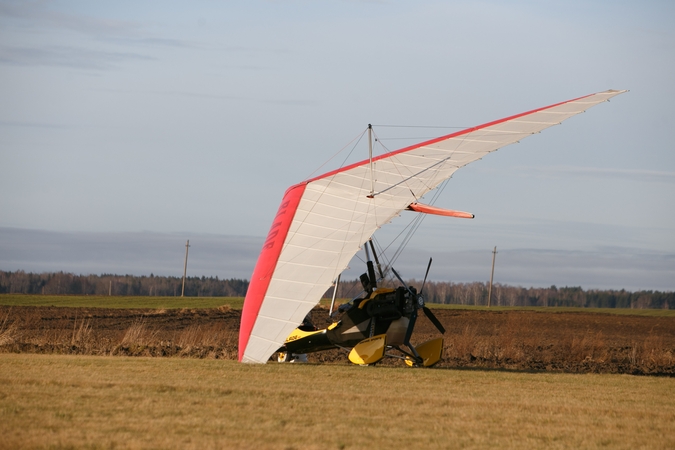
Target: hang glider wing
x=322 y=222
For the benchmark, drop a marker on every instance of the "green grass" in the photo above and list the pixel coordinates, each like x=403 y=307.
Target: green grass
x=562 y=309
x=104 y=301
x=50 y=401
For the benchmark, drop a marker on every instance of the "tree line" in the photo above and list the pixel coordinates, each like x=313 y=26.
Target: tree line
x=476 y=293
x=504 y=295
x=60 y=283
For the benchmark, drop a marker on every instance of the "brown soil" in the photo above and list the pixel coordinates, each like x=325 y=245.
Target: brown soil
x=514 y=340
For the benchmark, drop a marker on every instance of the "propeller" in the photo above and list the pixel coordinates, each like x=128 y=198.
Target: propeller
x=426 y=275
x=427 y=312
x=413 y=317
x=402 y=282
x=433 y=319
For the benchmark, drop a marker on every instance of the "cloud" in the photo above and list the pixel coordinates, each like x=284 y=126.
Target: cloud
x=31 y=18
x=225 y=256
x=200 y=95
x=595 y=173
x=603 y=268
x=9 y=123
x=67 y=56
x=153 y=42
x=210 y=96
x=139 y=253
x=38 y=15
x=293 y=102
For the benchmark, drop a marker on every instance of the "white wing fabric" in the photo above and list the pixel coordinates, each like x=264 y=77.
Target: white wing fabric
x=322 y=222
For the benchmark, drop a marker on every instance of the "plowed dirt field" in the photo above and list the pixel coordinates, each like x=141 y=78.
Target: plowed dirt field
x=515 y=340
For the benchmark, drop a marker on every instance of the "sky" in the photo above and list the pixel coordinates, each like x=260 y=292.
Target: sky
x=127 y=128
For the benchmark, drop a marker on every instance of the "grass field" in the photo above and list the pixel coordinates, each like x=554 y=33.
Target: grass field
x=564 y=309
x=119 y=302
x=104 y=301
x=51 y=401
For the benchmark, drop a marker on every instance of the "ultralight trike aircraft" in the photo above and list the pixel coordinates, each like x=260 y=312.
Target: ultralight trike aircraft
x=371 y=326
x=324 y=221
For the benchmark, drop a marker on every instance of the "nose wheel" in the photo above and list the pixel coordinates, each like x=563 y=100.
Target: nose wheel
x=288 y=357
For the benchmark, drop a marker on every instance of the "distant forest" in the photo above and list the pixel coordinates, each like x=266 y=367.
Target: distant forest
x=61 y=283
x=476 y=293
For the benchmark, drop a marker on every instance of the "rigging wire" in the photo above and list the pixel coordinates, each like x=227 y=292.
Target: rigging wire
x=410 y=229
x=387 y=263
x=414 y=224
x=356 y=138
x=378 y=140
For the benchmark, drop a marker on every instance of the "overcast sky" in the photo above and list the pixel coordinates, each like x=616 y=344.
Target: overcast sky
x=127 y=128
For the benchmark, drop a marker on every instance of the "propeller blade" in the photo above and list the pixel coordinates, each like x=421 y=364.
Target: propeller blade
x=433 y=319
x=425 y=277
x=402 y=282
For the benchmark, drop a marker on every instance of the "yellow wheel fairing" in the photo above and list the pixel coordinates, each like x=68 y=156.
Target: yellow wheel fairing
x=430 y=351
x=369 y=351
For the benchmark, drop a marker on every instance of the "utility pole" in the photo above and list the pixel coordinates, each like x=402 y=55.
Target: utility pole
x=492 y=274
x=187 y=245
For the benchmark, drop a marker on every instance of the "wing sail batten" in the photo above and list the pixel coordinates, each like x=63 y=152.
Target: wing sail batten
x=332 y=217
